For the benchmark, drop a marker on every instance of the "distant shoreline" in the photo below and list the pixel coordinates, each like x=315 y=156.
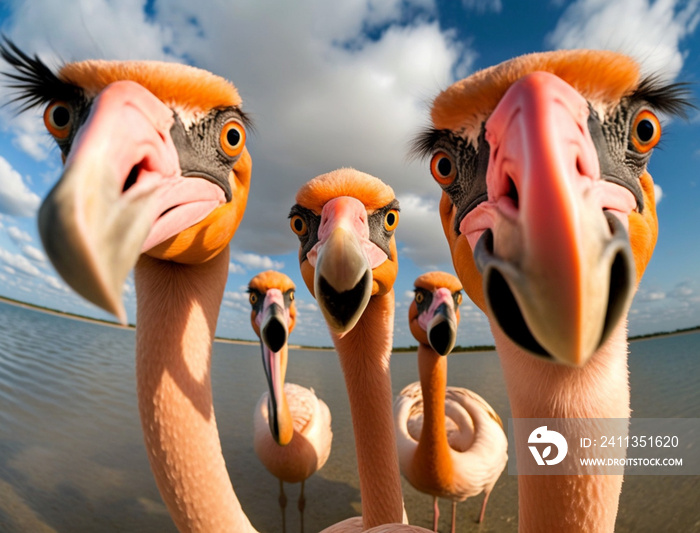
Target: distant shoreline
x=399 y=349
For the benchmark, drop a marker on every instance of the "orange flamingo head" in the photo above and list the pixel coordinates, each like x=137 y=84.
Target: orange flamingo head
x=345 y=221
x=155 y=163
x=433 y=315
x=547 y=204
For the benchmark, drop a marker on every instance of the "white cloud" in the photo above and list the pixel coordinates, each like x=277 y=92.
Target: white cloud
x=18 y=235
x=254 y=261
x=33 y=253
x=55 y=283
x=18 y=262
x=15 y=197
x=658 y=193
x=234 y=268
x=651 y=31
x=420 y=231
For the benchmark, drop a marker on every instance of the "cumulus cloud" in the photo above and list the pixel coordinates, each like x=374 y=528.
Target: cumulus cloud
x=251 y=261
x=18 y=262
x=18 y=235
x=33 y=253
x=652 y=31
x=15 y=197
x=658 y=193
x=420 y=231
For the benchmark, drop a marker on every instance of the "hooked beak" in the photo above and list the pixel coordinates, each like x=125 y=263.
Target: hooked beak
x=344 y=259
x=556 y=261
x=442 y=330
x=122 y=193
x=273 y=323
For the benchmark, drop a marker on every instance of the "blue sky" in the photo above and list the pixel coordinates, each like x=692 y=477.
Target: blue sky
x=348 y=83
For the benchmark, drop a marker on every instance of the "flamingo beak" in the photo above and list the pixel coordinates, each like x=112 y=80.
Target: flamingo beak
x=440 y=322
x=556 y=262
x=273 y=323
x=118 y=194
x=343 y=260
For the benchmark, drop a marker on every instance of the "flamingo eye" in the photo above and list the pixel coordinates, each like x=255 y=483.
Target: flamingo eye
x=58 y=118
x=298 y=225
x=232 y=138
x=443 y=168
x=253 y=298
x=646 y=131
x=391 y=220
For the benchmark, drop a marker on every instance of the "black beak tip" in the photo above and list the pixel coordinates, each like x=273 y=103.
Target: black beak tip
x=441 y=338
x=275 y=335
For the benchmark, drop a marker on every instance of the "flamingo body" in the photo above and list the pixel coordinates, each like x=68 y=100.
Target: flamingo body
x=310 y=446
x=477 y=445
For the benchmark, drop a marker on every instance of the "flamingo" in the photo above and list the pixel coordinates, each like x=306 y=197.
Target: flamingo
x=451 y=442
x=157 y=175
x=549 y=212
x=345 y=222
x=292 y=426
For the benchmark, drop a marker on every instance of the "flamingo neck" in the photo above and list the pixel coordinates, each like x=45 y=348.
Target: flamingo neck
x=541 y=389
x=364 y=354
x=433 y=451
x=177 y=309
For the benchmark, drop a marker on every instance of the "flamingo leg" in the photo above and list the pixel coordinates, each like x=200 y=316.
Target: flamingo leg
x=483 y=507
x=436 y=513
x=302 y=505
x=454 y=516
x=283 y=505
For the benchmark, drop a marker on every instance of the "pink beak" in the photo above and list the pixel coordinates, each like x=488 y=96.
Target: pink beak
x=558 y=270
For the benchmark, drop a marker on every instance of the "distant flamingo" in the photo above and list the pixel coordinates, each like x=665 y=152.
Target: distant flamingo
x=345 y=221
x=292 y=426
x=451 y=442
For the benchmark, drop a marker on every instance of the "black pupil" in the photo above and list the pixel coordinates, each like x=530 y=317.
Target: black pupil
x=645 y=130
x=61 y=116
x=233 y=137
x=298 y=224
x=444 y=166
x=390 y=219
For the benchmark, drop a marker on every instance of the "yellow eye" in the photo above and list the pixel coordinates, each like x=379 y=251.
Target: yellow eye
x=232 y=138
x=253 y=298
x=420 y=297
x=443 y=168
x=458 y=298
x=291 y=296
x=298 y=225
x=391 y=220
x=58 y=118
x=646 y=131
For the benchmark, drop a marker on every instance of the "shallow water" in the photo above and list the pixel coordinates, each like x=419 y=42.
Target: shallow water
x=72 y=457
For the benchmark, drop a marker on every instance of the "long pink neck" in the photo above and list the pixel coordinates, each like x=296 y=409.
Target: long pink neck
x=364 y=354
x=432 y=452
x=177 y=307
x=541 y=389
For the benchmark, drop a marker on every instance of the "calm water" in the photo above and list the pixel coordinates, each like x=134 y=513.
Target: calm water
x=72 y=457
